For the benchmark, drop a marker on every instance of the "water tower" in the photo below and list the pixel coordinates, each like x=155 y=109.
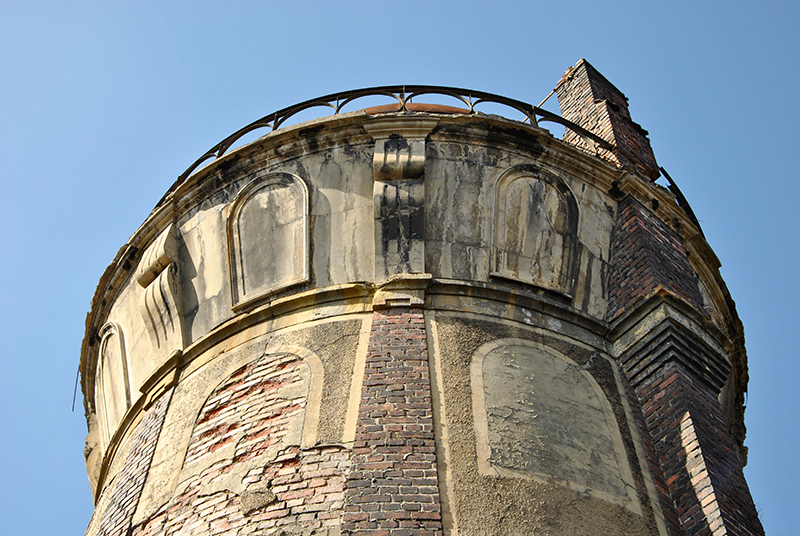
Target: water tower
x=419 y=319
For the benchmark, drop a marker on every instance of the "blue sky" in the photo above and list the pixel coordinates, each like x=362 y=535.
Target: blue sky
x=104 y=104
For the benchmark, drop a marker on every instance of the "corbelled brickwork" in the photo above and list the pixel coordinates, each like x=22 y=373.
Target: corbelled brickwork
x=393 y=488
x=646 y=254
x=115 y=518
x=699 y=458
x=677 y=378
x=588 y=99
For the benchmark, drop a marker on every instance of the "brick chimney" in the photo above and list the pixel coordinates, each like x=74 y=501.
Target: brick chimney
x=589 y=100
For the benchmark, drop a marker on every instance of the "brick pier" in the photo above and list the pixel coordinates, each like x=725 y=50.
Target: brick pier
x=392 y=489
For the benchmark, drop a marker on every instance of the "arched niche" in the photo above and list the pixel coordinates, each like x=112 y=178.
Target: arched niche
x=112 y=391
x=539 y=415
x=259 y=408
x=534 y=238
x=268 y=237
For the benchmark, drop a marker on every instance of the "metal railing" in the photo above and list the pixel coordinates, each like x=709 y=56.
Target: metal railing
x=403 y=95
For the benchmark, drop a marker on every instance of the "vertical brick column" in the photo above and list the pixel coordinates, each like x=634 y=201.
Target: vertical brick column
x=698 y=456
x=393 y=488
x=677 y=376
x=671 y=520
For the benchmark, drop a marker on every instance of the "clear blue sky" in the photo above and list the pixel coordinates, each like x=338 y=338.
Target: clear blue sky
x=105 y=103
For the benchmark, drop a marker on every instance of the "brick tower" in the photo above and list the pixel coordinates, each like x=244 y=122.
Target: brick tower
x=419 y=319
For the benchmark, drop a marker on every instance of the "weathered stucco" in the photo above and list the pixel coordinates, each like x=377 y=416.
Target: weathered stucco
x=488 y=497
x=335 y=227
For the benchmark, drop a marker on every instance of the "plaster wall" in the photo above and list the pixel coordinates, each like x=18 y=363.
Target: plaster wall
x=499 y=482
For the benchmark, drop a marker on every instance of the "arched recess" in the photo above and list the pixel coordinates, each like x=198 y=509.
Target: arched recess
x=538 y=415
x=261 y=407
x=113 y=392
x=535 y=231
x=268 y=237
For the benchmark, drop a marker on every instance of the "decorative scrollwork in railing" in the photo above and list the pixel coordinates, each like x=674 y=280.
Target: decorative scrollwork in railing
x=404 y=96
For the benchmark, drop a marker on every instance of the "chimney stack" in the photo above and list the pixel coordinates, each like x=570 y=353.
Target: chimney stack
x=589 y=100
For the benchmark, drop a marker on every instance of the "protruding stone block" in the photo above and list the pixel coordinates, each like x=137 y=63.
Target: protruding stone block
x=404 y=290
x=399 y=193
x=161 y=307
x=400 y=146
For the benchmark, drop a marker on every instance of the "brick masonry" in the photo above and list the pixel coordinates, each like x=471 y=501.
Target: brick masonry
x=588 y=99
x=671 y=520
x=299 y=492
x=247 y=408
x=393 y=488
x=266 y=486
x=676 y=380
x=246 y=477
x=698 y=456
x=646 y=254
x=114 y=519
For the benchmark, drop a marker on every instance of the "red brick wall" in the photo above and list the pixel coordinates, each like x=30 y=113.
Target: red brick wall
x=299 y=488
x=393 y=488
x=694 y=460
x=646 y=254
x=307 y=493
x=671 y=520
x=248 y=405
x=386 y=485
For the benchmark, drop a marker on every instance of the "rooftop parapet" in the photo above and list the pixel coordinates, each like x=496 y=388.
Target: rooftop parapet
x=403 y=97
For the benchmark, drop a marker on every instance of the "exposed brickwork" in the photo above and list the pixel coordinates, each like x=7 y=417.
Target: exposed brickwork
x=116 y=517
x=698 y=456
x=302 y=491
x=299 y=489
x=592 y=102
x=646 y=254
x=671 y=519
x=248 y=408
x=393 y=488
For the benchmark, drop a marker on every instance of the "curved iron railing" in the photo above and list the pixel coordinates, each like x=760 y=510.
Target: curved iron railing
x=404 y=96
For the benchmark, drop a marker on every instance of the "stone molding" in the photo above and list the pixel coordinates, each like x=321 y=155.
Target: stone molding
x=161 y=253
x=400 y=146
x=403 y=290
x=564 y=278
x=392 y=221
x=158 y=274
x=111 y=334
x=628 y=499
